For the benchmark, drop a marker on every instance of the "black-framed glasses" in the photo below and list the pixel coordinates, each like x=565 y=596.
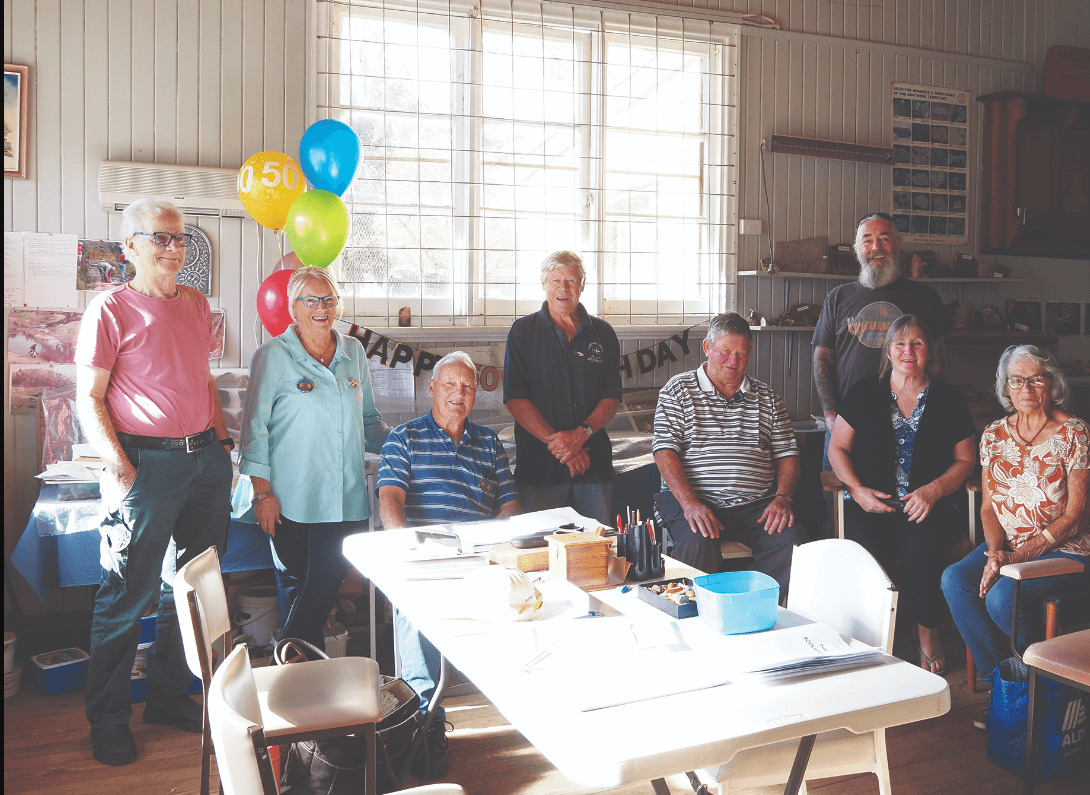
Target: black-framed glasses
x=313 y=301
x=162 y=239
x=872 y=216
x=1035 y=381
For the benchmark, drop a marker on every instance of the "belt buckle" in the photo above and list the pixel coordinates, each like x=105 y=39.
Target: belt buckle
x=190 y=441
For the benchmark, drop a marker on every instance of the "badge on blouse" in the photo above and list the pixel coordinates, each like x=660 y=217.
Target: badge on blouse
x=305 y=385
x=353 y=383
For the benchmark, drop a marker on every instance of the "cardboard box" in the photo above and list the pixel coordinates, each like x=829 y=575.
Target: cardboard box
x=522 y=559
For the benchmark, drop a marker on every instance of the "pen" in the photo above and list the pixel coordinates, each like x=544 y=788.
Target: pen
x=592 y=614
x=651 y=530
x=626 y=589
x=620 y=527
x=637 y=516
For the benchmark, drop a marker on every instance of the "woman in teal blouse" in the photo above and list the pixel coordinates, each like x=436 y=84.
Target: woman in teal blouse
x=309 y=416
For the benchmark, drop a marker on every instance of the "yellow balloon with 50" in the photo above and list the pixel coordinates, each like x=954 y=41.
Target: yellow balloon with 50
x=268 y=184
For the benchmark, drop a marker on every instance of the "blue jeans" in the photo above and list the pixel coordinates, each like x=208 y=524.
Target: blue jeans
x=309 y=571
x=593 y=500
x=984 y=622
x=178 y=506
x=420 y=662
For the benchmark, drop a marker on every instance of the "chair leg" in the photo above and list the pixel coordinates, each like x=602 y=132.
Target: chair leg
x=1052 y=620
x=970 y=669
x=206 y=754
x=1030 y=733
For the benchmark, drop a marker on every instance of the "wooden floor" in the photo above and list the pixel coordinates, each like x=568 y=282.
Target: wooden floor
x=47 y=750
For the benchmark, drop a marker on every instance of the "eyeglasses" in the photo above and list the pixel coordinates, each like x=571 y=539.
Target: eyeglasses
x=162 y=239
x=1037 y=381
x=872 y=216
x=313 y=301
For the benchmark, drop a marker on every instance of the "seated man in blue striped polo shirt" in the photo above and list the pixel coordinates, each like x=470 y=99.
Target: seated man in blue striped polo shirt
x=726 y=451
x=437 y=469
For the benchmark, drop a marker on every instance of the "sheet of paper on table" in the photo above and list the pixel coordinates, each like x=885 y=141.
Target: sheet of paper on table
x=478 y=536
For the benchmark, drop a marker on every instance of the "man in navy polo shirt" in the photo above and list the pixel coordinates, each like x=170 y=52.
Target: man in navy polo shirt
x=562 y=384
x=436 y=469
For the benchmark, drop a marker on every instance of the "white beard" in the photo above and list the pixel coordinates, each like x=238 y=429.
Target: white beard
x=876 y=275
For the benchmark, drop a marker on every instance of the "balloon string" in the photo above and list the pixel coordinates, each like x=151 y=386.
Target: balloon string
x=279 y=234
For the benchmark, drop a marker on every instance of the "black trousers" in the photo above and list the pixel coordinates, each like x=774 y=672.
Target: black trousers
x=771 y=553
x=924 y=550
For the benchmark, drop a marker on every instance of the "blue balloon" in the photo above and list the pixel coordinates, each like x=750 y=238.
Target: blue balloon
x=329 y=154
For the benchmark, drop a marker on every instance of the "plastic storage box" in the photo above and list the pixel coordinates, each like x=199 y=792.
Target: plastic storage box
x=736 y=602
x=147 y=629
x=61 y=671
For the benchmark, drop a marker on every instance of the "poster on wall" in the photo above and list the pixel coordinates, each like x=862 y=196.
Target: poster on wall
x=101 y=264
x=930 y=128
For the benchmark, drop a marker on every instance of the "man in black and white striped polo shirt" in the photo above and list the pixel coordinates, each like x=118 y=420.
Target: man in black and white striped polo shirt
x=726 y=450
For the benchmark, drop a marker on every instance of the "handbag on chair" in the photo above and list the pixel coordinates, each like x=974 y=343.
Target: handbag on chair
x=336 y=766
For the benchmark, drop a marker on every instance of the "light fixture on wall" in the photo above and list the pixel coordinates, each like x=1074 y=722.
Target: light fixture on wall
x=833 y=150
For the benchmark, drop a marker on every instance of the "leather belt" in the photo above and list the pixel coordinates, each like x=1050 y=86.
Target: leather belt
x=190 y=444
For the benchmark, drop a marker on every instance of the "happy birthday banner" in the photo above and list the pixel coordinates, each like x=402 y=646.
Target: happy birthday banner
x=392 y=353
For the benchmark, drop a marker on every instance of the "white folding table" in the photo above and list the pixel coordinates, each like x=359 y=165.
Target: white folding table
x=606 y=719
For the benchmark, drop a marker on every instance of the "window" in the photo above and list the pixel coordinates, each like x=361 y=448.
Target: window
x=496 y=133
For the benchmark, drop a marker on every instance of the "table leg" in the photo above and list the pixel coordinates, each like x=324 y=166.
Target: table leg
x=660 y=786
x=798 y=768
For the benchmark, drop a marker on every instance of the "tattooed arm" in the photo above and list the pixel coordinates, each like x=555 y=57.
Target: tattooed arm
x=825 y=380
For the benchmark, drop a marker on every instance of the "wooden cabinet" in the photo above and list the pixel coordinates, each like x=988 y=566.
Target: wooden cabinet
x=1035 y=176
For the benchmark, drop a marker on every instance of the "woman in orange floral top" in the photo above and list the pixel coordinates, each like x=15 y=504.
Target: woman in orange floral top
x=1036 y=470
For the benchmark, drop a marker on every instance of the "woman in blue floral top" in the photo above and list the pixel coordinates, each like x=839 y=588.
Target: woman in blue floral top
x=903 y=445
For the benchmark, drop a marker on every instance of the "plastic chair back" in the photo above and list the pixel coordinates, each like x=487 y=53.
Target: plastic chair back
x=837 y=582
x=202 y=578
x=235 y=718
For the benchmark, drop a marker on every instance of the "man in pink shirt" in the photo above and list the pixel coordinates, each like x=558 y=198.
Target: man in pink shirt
x=148 y=404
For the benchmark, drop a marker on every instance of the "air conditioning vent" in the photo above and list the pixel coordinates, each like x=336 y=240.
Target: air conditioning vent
x=197 y=190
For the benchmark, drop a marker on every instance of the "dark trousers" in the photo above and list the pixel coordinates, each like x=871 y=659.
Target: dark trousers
x=924 y=550
x=771 y=553
x=309 y=571
x=178 y=506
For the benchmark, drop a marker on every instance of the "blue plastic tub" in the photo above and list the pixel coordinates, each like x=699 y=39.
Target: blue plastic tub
x=61 y=671
x=138 y=689
x=736 y=602
x=147 y=629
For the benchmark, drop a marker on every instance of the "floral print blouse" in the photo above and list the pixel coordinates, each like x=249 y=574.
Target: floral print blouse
x=1029 y=484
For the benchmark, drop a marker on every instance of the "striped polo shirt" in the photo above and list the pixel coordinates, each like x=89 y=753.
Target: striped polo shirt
x=727 y=448
x=443 y=481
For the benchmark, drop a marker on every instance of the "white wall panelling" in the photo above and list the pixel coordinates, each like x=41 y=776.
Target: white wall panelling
x=211 y=82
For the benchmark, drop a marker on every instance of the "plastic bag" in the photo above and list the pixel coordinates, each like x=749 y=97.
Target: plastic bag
x=1061 y=737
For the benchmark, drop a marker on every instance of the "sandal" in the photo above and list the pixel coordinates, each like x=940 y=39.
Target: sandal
x=927 y=662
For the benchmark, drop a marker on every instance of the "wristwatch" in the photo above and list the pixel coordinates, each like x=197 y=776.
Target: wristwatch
x=229 y=443
x=587 y=429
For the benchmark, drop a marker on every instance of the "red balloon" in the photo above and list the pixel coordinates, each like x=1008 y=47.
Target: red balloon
x=272 y=302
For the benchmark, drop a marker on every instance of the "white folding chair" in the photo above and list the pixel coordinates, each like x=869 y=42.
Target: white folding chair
x=838 y=583
x=242 y=752
x=316 y=700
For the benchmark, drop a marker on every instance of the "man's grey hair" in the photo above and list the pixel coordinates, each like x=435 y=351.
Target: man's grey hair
x=306 y=274
x=1042 y=358
x=728 y=323
x=142 y=211
x=455 y=357
x=563 y=259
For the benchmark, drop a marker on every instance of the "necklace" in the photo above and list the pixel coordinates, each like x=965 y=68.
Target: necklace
x=1018 y=430
x=323 y=354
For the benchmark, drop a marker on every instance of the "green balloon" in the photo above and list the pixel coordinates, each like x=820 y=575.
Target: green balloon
x=317 y=226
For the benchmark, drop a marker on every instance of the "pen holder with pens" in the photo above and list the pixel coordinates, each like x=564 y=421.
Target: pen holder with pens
x=643 y=551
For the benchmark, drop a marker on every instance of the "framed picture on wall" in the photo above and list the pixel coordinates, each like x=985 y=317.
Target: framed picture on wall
x=16 y=85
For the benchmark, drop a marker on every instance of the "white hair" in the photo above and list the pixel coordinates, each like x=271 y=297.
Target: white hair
x=456 y=357
x=563 y=259
x=140 y=211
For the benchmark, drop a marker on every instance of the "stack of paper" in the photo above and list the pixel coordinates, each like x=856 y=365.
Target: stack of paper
x=72 y=472
x=795 y=651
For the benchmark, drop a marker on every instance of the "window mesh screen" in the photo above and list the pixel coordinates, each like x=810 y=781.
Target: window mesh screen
x=496 y=133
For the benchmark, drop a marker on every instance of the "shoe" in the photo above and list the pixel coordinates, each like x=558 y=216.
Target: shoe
x=431 y=760
x=174 y=710
x=113 y=745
